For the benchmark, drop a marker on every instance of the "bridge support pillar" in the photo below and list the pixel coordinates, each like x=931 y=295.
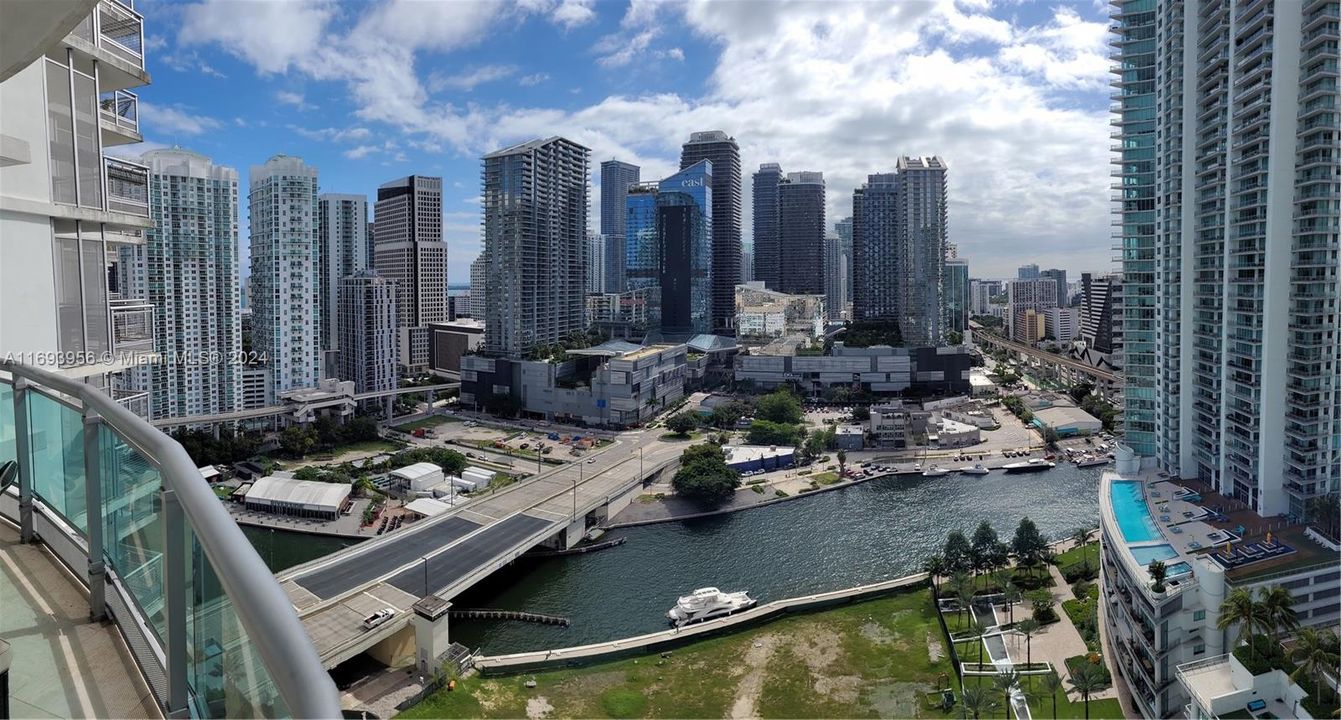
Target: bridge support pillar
x=569 y=536
x=430 y=634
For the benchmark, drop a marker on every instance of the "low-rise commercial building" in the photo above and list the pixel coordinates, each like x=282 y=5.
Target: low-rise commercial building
x=748 y=458
x=980 y=385
x=451 y=341
x=1068 y=420
x=891 y=425
x=849 y=437
x=616 y=384
x=947 y=433
x=283 y=495
x=877 y=369
x=417 y=478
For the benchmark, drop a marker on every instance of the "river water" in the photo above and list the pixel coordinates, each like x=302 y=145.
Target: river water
x=874 y=531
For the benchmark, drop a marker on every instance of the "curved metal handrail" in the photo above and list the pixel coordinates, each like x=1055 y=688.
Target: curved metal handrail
x=265 y=611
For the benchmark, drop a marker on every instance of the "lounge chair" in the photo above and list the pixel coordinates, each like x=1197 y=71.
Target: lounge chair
x=1164 y=518
x=1176 y=530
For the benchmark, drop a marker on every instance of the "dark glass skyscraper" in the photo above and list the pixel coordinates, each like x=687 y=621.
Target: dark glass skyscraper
x=722 y=151
x=616 y=177
x=765 y=202
x=669 y=249
x=801 y=234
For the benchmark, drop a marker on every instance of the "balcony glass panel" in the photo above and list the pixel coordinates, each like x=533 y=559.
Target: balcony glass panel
x=225 y=672
x=89 y=150
x=60 y=132
x=133 y=523
x=8 y=451
x=56 y=446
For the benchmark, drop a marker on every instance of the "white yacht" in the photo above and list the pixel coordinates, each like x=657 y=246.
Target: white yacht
x=974 y=470
x=706 y=604
x=935 y=471
x=1030 y=465
x=1091 y=460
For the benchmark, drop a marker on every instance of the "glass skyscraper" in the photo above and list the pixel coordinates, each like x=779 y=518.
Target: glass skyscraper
x=668 y=246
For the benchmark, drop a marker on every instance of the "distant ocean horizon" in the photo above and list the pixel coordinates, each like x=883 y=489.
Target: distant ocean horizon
x=458 y=289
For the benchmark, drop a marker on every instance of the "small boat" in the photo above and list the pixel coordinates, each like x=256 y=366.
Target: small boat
x=706 y=604
x=1091 y=460
x=974 y=470
x=935 y=471
x=1030 y=465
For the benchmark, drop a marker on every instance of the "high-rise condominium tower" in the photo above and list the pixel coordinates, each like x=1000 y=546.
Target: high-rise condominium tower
x=722 y=151
x=1101 y=315
x=837 y=265
x=1229 y=176
x=286 y=309
x=596 y=265
x=342 y=247
x=1035 y=297
x=192 y=283
x=1058 y=276
x=844 y=229
x=766 y=240
x=800 y=232
x=899 y=230
x=616 y=177
x=479 y=286
x=410 y=253
x=535 y=232
x=1027 y=272
x=956 y=295
x=368 y=343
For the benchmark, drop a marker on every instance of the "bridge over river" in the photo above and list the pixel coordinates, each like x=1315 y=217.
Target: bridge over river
x=448 y=553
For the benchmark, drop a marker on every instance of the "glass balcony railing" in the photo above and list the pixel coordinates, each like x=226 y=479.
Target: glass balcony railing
x=121 y=108
x=124 y=507
x=121 y=32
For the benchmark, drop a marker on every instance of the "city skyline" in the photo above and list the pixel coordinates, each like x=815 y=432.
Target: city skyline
x=636 y=101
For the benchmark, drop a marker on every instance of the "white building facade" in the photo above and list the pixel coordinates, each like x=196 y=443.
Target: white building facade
x=368 y=349
x=286 y=307
x=342 y=237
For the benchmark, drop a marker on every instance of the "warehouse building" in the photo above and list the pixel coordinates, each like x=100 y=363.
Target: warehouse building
x=283 y=495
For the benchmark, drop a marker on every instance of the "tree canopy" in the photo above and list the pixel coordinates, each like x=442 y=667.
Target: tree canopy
x=958 y=553
x=451 y=461
x=779 y=406
x=763 y=432
x=1029 y=545
x=704 y=477
x=682 y=423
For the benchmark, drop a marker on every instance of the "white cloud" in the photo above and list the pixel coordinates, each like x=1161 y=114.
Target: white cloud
x=189 y=62
x=270 y=35
x=333 y=134
x=572 y=13
x=360 y=152
x=468 y=79
x=175 y=119
x=296 y=99
x=618 y=50
x=675 y=54
x=532 y=80
x=1067 y=52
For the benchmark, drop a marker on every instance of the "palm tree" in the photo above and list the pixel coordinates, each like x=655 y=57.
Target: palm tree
x=976 y=701
x=1052 y=682
x=1012 y=595
x=1004 y=681
x=1278 y=610
x=1081 y=537
x=1239 y=607
x=934 y=567
x=1312 y=651
x=842 y=463
x=978 y=630
x=965 y=597
x=1158 y=572
x=1027 y=628
x=1085 y=680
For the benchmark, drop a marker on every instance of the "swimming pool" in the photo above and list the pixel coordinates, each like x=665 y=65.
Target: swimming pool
x=1133 y=517
x=1146 y=555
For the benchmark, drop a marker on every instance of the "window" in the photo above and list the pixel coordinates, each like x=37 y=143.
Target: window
x=1199 y=649
x=1199 y=615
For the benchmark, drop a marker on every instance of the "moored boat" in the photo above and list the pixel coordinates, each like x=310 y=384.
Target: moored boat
x=706 y=604
x=1091 y=460
x=1030 y=465
x=974 y=470
x=935 y=471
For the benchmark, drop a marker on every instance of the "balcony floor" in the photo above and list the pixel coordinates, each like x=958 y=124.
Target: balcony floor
x=62 y=665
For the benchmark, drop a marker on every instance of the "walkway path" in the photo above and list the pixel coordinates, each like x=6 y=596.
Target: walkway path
x=1058 y=641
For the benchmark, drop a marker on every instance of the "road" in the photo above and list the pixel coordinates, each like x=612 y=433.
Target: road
x=450 y=552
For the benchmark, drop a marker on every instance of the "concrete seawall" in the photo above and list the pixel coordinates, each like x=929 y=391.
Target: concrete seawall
x=675 y=637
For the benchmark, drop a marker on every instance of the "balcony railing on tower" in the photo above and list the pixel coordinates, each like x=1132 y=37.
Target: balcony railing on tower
x=132 y=324
x=127 y=186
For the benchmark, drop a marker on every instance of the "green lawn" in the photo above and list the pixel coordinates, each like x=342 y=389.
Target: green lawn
x=366 y=446
x=1073 y=559
x=825 y=478
x=1040 y=703
x=426 y=423
x=872 y=659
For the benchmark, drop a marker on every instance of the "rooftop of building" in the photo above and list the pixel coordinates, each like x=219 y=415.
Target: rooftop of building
x=62 y=665
x=1060 y=415
x=298 y=492
x=530 y=145
x=747 y=453
x=1194 y=524
x=417 y=470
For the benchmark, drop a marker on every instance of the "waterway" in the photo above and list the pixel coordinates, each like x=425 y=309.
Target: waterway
x=873 y=531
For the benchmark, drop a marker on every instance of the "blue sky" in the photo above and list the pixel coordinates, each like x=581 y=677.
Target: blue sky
x=1013 y=95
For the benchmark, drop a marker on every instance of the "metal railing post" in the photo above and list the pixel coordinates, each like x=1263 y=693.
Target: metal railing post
x=174 y=600
x=97 y=564
x=24 y=456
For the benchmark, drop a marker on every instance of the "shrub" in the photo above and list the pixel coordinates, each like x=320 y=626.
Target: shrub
x=757 y=488
x=780 y=493
x=1081 y=589
x=1094 y=660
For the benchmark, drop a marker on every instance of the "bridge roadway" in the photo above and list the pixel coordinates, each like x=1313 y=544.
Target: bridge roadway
x=448 y=553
